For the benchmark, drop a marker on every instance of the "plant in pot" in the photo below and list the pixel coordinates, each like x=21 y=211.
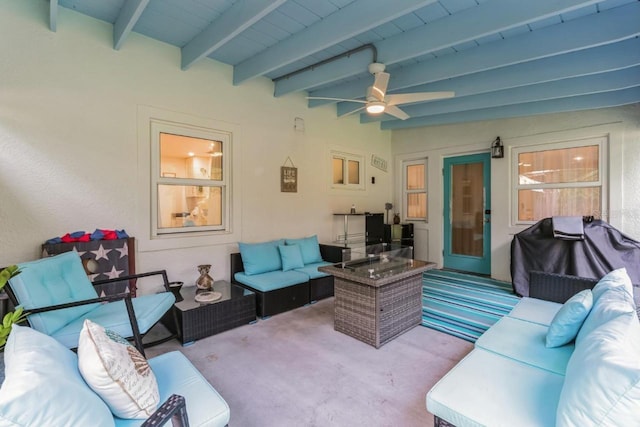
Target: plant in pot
x=12 y=317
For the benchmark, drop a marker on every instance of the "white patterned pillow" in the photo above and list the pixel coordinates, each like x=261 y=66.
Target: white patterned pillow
x=117 y=372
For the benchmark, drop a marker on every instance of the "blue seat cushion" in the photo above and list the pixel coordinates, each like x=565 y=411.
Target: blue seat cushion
x=311 y=270
x=535 y=310
x=50 y=281
x=43 y=386
x=525 y=342
x=487 y=389
x=262 y=257
x=176 y=375
x=309 y=247
x=148 y=309
x=270 y=281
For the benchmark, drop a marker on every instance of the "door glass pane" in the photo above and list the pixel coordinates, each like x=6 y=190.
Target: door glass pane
x=415 y=177
x=544 y=203
x=577 y=164
x=338 y=171
x=354 y=172
x=189 y=157
x=467 y=206
x=189 y=206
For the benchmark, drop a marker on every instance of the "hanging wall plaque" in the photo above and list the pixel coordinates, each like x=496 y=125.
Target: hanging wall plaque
x=288 y=178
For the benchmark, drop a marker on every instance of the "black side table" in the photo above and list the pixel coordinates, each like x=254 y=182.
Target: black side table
x=236 y=307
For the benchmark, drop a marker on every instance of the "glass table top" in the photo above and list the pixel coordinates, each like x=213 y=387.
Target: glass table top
x=380 y=266
x=228 y=290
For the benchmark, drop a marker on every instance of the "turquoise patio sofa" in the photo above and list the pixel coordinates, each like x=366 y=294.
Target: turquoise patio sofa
x=283 y=273
x=44 y=386
x=512 y=377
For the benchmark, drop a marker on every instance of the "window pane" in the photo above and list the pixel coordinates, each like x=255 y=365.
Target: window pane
x=415 y=177
x=338 y=171
x=354 y=172
x=189 y=157
x=417 y=205
x=189 y=206
x=536 y=204
x=577 y=164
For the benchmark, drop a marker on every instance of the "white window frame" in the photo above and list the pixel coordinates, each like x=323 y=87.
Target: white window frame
x=405 y=192
x=602 y=182
x=347 y=157
x=158 y=127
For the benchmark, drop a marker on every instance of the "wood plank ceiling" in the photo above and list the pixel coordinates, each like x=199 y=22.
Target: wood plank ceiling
x=502 y=58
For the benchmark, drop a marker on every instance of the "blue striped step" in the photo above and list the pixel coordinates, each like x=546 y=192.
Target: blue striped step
x=464 y=305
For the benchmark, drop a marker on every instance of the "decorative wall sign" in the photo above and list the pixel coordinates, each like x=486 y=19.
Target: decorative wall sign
x=378 y=162
x=288 y=178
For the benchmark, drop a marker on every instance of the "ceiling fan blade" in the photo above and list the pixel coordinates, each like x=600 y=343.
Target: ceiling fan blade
x=380 y=84
x=408 y=98
x=352 y=112
x=337 y=99
x=396 y=112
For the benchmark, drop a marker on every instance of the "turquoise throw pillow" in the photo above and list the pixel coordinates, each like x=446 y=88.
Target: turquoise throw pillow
x=610 y=304
x=602 y=381
x=291 y=257
x=309 y=247
x=567 y=322
x=615 y=279
x=43 y=386
x=260 y=257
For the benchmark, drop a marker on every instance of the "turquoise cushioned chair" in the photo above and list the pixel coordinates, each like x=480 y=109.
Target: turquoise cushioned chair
x=60 y=296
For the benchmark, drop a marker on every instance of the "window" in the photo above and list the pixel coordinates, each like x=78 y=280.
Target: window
x=190 y=169
x=348 y=170
x=414 y=197
x=560 y=179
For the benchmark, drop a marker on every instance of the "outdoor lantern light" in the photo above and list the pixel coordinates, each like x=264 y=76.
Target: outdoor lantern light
x=497 y=149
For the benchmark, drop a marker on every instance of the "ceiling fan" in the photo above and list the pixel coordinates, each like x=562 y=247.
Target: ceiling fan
x=378 y=102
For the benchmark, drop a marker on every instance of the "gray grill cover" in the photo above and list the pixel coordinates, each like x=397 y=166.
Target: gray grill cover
x=603 y=249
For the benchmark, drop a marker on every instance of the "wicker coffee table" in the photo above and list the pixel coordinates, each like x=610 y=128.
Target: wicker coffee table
x=236 y=307
x=378 y=298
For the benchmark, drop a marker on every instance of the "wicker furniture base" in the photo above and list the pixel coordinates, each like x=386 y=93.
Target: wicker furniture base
x=320 y=288
x=236 y=308
x=376 y=315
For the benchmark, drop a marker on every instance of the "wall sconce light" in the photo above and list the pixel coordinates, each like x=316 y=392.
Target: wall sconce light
x=497 y=149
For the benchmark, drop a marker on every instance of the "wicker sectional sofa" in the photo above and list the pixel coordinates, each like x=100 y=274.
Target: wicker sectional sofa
x=283 y=273
x=512 y=377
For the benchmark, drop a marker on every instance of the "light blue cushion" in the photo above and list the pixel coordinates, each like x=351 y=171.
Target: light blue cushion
x=535 y=310
x=291 y=257
x=602 y=383
x=487 y=389
x=567 y=322
x=311 y=270
x=272 y=280
x=610 y=304
x=309 y=247
x=261 y=257
x=113 y=316
x=43 y=386
x=524 y=342
x=615 y=279
x=50 y=281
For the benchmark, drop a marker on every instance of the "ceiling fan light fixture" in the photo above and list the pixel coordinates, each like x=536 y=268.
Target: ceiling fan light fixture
x=375 y=107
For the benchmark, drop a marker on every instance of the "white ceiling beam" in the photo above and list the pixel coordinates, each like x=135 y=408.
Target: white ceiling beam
x=53 y=15
x=239 y=17
x=601 y=59
x=353 y=19
x=576 y=103
x=488 y=18
x=612 y=25
x=129 y=15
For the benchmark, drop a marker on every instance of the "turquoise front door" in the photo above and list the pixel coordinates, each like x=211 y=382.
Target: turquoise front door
x=467 y=213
